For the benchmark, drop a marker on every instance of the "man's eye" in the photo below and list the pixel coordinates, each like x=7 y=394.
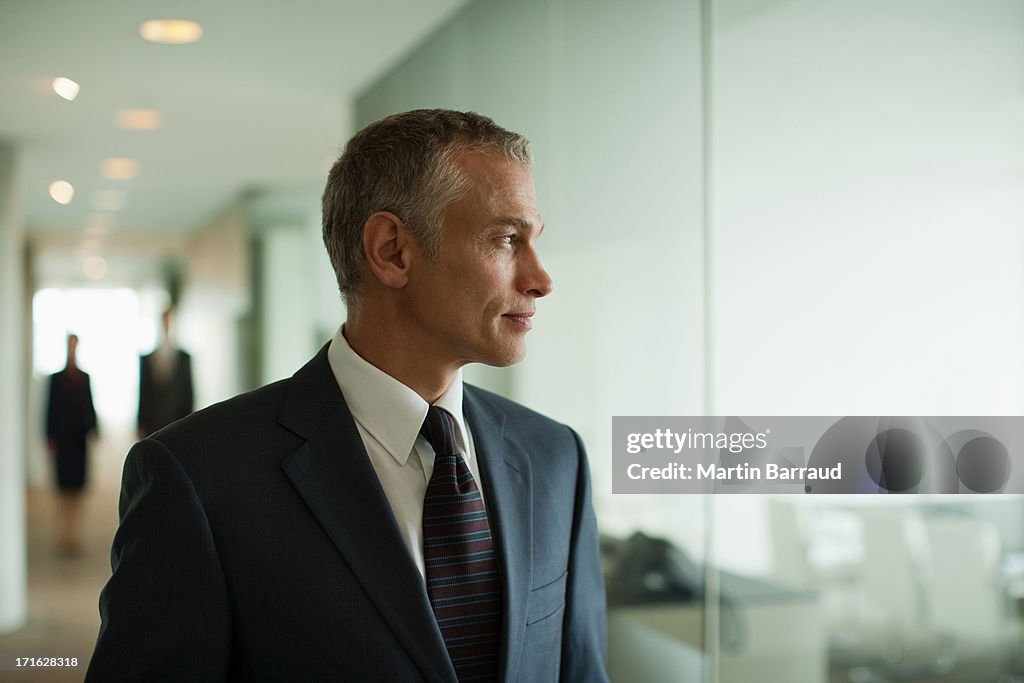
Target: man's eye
x=508 y=239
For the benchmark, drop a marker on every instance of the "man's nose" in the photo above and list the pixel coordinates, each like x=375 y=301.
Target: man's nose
x=534 y=279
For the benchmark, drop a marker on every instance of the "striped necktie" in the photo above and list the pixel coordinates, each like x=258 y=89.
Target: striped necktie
x=461 y=566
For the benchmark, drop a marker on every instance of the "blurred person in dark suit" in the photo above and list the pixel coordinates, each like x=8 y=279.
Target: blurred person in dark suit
x=70 y=419
x=373 y=518
x=165 y=383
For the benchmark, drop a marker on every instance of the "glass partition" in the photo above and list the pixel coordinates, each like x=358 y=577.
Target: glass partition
x=867 y=174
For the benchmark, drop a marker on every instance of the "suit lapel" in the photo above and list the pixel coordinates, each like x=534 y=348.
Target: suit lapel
x=505 y=470
x=333 y=474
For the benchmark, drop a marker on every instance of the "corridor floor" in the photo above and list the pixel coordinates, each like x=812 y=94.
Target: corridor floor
x=63 y=617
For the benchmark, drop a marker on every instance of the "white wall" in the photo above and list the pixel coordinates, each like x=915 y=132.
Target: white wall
x=290 y=307
x=13 y=395
x=215 y=298
x=300 y=307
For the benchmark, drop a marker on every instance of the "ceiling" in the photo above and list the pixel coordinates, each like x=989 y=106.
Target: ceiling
x=261 y=101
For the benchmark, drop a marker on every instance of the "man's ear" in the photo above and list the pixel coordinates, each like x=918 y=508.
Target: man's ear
x=386 y=245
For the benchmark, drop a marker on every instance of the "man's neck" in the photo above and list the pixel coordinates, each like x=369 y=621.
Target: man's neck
x=414 y=369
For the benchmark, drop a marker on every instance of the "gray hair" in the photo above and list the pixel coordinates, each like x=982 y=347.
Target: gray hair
x=405 y=164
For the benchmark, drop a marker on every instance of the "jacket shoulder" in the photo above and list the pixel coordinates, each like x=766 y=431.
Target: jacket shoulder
x=517 y=414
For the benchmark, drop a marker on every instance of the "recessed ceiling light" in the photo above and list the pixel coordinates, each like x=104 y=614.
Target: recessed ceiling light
x=62 y=191
x=108 y=200
x=94 y=267
x=171 y=31
x=138 y=119
x=65 y=87
x=119 y=168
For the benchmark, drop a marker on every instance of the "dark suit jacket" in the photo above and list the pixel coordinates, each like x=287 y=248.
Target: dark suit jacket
x=161 y=403
x=257 y=544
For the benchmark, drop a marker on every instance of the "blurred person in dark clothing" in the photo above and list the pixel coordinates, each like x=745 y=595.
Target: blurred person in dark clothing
x=70 y=418
x=165 y=383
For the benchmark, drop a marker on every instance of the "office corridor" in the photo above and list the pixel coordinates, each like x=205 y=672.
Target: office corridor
x=63 y=617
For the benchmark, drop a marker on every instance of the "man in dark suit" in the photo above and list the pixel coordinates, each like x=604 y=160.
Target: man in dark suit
x=165 y=383
x=372 y=518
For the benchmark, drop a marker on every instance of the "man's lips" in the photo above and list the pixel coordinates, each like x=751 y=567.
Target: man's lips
x=522 y=318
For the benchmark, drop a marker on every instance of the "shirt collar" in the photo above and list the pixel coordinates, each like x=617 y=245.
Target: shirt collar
x=388 y=410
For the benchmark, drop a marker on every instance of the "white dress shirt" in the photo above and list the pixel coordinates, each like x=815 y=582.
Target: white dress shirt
x=165 y=359
x=389 y=415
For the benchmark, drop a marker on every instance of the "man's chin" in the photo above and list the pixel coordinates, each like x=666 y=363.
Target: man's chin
x=505 y=358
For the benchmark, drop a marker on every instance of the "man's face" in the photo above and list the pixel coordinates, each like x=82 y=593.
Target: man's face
x=474 y=302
